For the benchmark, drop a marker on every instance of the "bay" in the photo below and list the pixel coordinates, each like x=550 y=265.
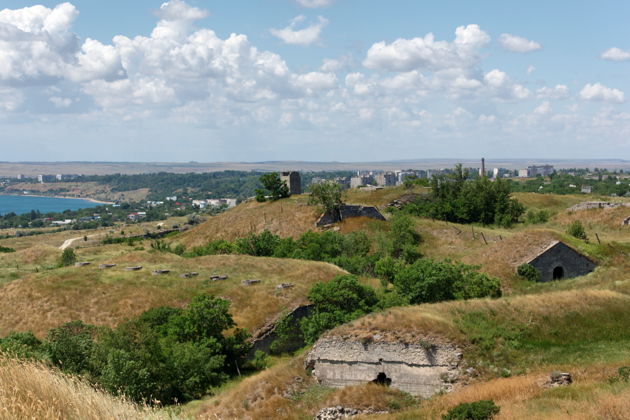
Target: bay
x=21 y=204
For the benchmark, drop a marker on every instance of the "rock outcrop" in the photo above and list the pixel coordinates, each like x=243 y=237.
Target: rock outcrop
x=420 y=369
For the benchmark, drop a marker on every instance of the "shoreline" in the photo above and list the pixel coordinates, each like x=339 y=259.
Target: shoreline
x=92 y=200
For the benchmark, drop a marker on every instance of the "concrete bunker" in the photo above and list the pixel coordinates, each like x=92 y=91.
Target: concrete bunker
x=420 y=370
x=347 y=211
x=559 y=261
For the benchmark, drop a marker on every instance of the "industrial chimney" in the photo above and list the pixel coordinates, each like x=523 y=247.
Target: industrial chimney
x=482 y=171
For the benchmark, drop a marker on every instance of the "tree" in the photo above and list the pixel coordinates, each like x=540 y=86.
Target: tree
x=277 y=187
x=334 y=303
x=68 y=257
x=70 y=346
x=326 y=194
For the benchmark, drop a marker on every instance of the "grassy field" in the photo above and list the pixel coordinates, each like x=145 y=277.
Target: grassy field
x=48 y=298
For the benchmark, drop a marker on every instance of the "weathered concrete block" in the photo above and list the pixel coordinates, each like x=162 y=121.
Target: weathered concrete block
x=412 y=368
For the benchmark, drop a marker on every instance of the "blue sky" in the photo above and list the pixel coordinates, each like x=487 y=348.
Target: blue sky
x=346 y=80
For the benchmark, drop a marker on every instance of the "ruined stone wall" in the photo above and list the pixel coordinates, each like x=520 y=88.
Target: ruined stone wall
x=589 y=205
x=265 y=337
x=349 y=211
x=573 y=263
x=413 y=368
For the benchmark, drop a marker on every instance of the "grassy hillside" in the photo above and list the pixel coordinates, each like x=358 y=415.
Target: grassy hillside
x=40 y=301
x=586 y=333
x=288 y=217
x=32 y=391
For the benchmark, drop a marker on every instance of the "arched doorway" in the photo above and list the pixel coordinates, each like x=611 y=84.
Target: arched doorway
x=558 y=273
x=382 y=379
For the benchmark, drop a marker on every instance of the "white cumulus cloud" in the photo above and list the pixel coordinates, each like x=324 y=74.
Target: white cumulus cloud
x=616 y=54
x=314 y=4
x=305 y=36
x=599 y=92
x=555 y=92
x=518 y=44
x=427 y=53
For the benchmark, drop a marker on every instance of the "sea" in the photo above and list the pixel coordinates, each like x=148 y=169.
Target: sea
x=20 y=204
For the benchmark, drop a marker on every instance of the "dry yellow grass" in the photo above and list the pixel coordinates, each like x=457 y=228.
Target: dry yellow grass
x=270 y=394
x=524 y=397
x=288 y=217
x=32 y=391
x=44 y=300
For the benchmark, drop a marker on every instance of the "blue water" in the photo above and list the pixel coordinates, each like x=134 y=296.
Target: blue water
x=24 y=204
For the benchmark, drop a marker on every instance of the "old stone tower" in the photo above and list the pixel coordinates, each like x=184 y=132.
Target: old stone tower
x=293 y=181
x=559 y=261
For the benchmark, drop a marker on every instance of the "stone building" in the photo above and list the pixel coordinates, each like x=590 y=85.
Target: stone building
x=559 y=261
x=293 y=181
x=421 y=370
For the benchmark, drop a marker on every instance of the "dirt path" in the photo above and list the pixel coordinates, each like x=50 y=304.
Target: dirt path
x=68 y=242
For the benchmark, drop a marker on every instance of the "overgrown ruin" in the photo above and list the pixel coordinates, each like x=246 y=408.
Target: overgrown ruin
x=421 y=369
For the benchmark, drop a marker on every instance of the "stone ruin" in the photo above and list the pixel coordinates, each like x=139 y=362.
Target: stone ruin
x=558 y=379
x=250 y=282
x=283 y=286
x=265 y=336
x=348 y=211
x=589 y=205
x=419 y=369
x=106 y=266
x=160 y=272
x=559 y=261
x=188 y=275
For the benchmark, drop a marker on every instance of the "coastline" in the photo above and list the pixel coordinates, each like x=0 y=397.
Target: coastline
x=92 y=200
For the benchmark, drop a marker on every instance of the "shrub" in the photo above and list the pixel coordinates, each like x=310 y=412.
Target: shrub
x=67 y=258
x=435 y=281
x=334 y=303
x=23 y=345
x=537 y=217
x=576 y=229
x=70 y=346
x=529 y=272
x=478 y=410
x=326 y=194
x=6 y=250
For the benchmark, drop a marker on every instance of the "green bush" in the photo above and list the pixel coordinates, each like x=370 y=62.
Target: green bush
x=23 y=345
x=537 y=217
x=67 y=258
x=334 y=303
x=478 y=410
x=6 y=250
x=70 y=346
x=576 y=229
x=435 y=281
x=529 y=272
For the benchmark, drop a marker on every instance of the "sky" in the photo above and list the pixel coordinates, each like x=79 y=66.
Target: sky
x=313 y=80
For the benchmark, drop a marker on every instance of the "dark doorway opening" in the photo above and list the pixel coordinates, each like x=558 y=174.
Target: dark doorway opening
x=558 y=273
x=382 y=379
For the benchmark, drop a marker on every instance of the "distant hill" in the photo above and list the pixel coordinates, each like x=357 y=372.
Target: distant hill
x=105 y=168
